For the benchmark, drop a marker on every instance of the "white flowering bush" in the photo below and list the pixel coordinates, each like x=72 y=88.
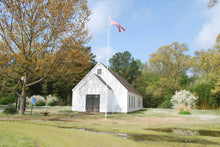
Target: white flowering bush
x=52 y=100
x=39 y=100
x=183 y=100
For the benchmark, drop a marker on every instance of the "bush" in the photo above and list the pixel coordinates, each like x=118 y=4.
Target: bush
x=185 y=112
x=7 y=100
x=203 y=88
x=183 y=100
x=39 y=100
x=52 y=100
x=166 y=104
x=28 y=101
x=10 y=110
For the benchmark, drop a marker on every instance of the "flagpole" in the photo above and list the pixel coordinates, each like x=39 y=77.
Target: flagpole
x=109 y=18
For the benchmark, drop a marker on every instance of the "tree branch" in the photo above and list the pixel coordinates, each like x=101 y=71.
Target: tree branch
x=10 y=89
x=38 y=81
x=6 y=39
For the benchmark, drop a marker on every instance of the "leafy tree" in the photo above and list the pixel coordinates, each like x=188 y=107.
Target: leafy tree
x=216 y=91
x=125 y=65
x=206 y=63
x=202 y=87
x=72 y=71
x=216 y=70
x=171 y=63
x=140 y=64
x=203 y=61
x=37 y=38
x=206 y=86
x=145 y=79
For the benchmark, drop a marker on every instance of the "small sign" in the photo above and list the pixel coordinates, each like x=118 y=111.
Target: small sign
x=33 y=100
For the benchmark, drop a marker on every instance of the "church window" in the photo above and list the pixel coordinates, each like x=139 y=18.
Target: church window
x=99 y=71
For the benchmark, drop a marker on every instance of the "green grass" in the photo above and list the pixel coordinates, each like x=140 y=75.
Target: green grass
x=31 y=135
x=38 y=130
x=9 y=139
x=185 y=112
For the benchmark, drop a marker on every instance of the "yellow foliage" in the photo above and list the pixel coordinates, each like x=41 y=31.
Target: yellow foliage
x=37 y=37
x=171 y=62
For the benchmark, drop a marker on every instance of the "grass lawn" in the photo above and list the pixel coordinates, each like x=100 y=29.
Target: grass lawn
x=56 y=129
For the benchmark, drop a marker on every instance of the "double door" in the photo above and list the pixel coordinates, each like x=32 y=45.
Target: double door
x=92 y=103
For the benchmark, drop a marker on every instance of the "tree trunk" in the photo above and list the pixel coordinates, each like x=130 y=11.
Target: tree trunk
x=23 y=95
x=22 y=99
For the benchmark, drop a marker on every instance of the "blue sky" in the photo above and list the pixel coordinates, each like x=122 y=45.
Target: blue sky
x=151 y=24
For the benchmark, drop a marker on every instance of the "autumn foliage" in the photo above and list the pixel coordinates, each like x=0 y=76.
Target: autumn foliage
x=40 y=37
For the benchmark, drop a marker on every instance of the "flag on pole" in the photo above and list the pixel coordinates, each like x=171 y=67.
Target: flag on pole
x=118 y=25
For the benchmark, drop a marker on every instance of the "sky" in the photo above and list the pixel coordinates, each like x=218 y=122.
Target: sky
x=150 y=24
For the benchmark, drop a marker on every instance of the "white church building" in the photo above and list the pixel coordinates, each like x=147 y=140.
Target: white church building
x=103 y=90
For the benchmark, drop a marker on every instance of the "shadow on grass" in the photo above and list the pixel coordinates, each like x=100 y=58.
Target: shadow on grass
x=142 y=111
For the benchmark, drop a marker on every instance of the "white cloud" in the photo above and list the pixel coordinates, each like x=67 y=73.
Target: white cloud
x=101 y=54
x=206 y=37
x=100 y=11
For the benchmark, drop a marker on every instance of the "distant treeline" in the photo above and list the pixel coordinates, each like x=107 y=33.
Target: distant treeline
x=169 y=70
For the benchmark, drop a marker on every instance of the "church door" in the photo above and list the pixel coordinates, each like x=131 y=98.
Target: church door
x=92 y=103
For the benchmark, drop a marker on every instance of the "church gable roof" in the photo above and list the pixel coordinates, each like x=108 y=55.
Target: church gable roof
x=84 y=82
x=124 y=82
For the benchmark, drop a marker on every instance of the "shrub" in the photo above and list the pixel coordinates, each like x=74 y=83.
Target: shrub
x=10 y=110
x=203 y=88
x=166 y=104
x=28 y=101
x=39 y=100
x=52 y=100
x=183 y=100
x=185 y=112
x=7 y=100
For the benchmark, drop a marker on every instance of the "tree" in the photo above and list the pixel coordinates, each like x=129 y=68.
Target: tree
x=207 y=63
x=203 y=61
x=125 y=65
x=140 y=64
x=168 y=66
x=79 y=63
x=202 y=88
x=216 y=70
x=145 y=79
x=171 y=62
x=36 y=37
x=212 y=3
